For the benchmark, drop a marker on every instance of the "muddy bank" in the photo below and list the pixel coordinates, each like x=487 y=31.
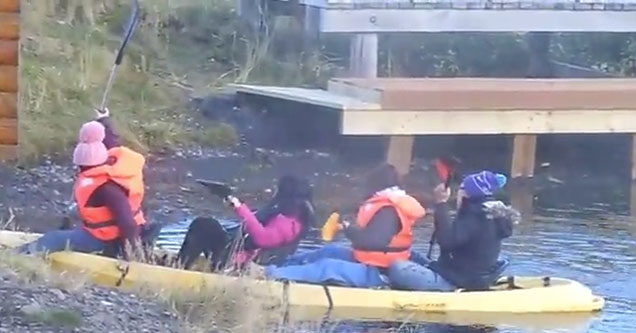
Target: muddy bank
x=35 y=199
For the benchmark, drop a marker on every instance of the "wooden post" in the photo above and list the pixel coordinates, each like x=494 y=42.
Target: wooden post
x=522 y=170
x=363 y=63
x=632 y=201
x=399 y=152
x=363 y=59
x=523 y=155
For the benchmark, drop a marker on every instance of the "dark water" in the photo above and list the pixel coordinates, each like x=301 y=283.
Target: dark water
x=577 y=231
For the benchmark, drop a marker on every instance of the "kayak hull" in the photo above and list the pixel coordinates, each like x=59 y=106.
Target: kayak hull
x=561 y=296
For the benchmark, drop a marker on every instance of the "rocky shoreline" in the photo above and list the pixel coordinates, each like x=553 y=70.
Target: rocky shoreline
x=34 y=299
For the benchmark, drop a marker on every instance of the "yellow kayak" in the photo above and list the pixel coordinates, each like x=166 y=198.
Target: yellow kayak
x=560 y=297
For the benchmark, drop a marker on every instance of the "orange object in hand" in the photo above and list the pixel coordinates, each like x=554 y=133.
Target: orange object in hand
x=331 y=227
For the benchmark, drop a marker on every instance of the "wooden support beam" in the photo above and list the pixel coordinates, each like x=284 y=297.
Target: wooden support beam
x=9 y=52
x=9 y=6
x=632 y=201
x=363 y=59
x=523 y=156
x=9 y=26
x=8 y=105
x=522 y=197
x=8 y=79
x=400 y=153
x=522 y=170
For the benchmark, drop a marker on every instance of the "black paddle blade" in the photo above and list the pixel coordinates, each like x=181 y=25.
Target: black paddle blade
x=219 y=189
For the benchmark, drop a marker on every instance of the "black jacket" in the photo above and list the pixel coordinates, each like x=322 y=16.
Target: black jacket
x=470 y=245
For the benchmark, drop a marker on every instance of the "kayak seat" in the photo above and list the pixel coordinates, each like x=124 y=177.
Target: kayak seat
x=494 y=274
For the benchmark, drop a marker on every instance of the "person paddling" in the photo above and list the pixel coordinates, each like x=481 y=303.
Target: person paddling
x=381 y=234
x=108 y=191
x=470 y=244
x=273 y=232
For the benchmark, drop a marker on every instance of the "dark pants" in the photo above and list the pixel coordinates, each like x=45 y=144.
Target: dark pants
x=208 y=237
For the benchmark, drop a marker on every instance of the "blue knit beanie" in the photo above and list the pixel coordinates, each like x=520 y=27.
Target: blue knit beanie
x=483 y=184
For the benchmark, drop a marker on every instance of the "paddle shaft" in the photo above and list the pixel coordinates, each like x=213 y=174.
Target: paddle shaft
x=134 y=16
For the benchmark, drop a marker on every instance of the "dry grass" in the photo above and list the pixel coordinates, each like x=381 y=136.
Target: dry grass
x=65 y=65
x=35 y=270
x=230 y=305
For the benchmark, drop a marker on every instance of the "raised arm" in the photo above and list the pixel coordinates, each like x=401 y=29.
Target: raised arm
x=111 y=140
x=270 y=236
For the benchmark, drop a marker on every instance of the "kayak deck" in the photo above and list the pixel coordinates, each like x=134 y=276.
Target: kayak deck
x=560 y=296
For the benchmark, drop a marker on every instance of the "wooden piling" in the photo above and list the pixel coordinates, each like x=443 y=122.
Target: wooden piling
x=363 y=63
x=632 y=201
x=400 y=151
x=522 y=170
x=363 y=59
x=523 y=156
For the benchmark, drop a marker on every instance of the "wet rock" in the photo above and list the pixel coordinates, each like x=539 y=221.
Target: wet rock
x=58 y=293
x=31 y=309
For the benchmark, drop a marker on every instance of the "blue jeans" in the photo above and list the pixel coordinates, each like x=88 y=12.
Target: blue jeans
x=77 y=239
x=409 y=275
x=330 y=264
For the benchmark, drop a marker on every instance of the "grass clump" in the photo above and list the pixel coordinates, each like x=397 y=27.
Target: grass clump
x=35 y=270
x=56 y=317
x=231 y=304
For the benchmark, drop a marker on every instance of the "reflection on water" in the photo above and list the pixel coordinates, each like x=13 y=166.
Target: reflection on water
x=586 y=242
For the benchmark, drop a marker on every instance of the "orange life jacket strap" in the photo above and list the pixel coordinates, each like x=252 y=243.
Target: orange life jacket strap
x=109 y=223
x=386 y=249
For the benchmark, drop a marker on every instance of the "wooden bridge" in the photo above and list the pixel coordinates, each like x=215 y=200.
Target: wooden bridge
x=401 y=108
x=9 y=60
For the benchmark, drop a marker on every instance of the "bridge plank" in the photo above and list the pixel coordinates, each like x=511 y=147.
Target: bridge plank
x=317 y=97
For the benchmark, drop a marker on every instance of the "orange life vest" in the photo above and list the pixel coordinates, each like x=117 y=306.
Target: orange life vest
x=409 y=211
x=127 y=171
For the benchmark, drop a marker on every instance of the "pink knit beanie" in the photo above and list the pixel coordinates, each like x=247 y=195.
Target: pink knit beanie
x=90 y=151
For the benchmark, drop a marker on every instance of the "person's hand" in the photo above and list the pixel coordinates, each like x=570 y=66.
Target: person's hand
x=441 y=193
x=102 y=113
x=233 y=201
x=345 y=224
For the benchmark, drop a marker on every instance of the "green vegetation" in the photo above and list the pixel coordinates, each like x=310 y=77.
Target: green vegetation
x=56 y=317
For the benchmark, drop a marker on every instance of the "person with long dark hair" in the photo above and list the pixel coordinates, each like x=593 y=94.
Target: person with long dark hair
x=267 y=236
x=381 y=234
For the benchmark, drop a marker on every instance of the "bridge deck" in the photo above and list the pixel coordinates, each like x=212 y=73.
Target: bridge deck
x=386 y=16
x=471 y=106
